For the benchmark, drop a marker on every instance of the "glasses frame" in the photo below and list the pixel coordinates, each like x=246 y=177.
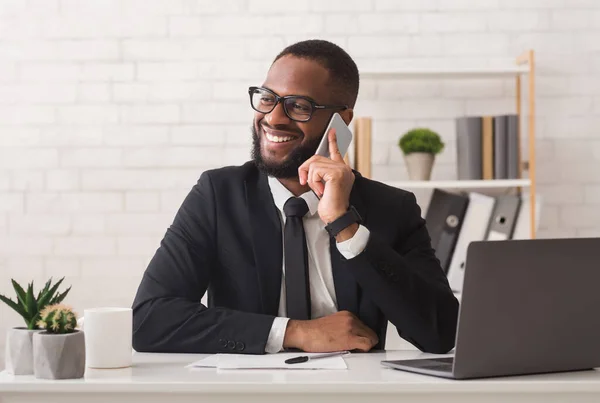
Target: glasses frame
x=315 y=106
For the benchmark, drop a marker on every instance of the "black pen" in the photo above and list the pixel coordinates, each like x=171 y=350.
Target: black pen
x=305 y=358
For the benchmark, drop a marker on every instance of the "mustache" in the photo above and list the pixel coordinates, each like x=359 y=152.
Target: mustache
x=281 y=128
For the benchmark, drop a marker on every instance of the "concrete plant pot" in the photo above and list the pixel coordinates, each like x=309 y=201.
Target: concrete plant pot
x=59 y=356
x=419 y=165
x=19 y=351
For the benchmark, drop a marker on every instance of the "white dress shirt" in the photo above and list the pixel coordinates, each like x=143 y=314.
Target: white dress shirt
x=322 y=290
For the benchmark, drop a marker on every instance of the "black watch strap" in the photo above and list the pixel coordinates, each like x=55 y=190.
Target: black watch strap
x=344 y=221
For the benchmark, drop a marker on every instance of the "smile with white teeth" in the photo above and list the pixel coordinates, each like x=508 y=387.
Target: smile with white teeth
x=277 y=139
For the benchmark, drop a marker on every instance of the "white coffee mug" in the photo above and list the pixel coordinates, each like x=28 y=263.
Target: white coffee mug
x=108 y=333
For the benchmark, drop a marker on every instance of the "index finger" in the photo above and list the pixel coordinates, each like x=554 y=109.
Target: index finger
x=334 y=151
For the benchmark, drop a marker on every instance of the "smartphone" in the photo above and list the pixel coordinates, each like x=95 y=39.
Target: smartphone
x=343 y=135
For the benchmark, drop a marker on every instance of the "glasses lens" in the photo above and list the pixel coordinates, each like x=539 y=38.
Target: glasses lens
x=263 y=101
x=298 y=108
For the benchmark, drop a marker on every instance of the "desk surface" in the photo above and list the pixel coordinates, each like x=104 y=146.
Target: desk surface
x=156 y=373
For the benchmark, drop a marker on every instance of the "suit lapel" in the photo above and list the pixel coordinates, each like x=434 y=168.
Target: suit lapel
x=267 y=240
x=346 y=287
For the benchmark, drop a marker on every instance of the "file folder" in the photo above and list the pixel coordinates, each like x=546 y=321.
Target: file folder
x=523 y=225
x=474 y=228
x=443 y=220
x=503 y=219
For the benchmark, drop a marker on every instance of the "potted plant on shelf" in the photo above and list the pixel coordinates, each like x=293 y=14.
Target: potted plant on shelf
x=59 y=351
x=19 y=340
x=420 y=146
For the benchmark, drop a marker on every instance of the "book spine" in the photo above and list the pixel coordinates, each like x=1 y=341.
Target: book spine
x=512 y=142
x=488 y=147
x=500 y=147
x=468 y=147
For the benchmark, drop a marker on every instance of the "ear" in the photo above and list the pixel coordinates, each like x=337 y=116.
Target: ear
x=347 y=115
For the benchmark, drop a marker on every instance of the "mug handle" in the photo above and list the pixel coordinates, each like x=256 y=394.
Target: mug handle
x=80 y=322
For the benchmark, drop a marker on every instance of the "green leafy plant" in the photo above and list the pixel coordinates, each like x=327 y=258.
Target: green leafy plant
x=421 y=140
x=58 y=319
x=29 y=306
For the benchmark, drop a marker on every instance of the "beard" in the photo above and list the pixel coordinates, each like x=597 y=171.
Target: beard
x=287 y=168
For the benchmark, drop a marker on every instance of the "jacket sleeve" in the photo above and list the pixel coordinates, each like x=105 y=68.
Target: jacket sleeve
x=408 y=283
x=168 y=315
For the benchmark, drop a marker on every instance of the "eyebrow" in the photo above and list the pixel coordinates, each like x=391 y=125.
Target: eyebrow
x=294 y=95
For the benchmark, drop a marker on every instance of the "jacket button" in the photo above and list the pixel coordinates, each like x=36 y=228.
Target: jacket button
x=240 y=346
x=223 y=343
x=231 y=345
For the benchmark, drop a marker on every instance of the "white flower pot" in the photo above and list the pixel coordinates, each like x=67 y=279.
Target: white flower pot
x=19 y=351
x=419 y=165
x=59 y=356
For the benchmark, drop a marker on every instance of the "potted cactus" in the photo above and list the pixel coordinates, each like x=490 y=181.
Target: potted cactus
x=19 y=340
x=59 y=351
x=420 y=145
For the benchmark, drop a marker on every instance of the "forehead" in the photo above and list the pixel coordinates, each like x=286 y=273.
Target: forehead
x=292 y=75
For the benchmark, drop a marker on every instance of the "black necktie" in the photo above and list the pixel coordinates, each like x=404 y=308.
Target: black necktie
x=297 y=287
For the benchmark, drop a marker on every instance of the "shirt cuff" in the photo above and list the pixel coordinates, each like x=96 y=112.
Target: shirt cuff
x=354 y=246
x=276 y=335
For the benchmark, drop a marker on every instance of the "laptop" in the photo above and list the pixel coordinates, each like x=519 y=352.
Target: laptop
x=528 y=307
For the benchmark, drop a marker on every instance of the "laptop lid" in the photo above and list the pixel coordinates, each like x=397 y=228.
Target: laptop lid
x=529 y=306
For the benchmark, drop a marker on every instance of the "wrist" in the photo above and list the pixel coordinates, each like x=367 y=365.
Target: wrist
x=344 y=226
x=329 y=218
x=347 y=233
x=293 y=337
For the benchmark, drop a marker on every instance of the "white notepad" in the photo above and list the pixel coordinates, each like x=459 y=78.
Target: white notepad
x=267 y=361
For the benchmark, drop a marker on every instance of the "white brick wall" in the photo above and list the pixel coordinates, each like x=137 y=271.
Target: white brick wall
x=110 y=110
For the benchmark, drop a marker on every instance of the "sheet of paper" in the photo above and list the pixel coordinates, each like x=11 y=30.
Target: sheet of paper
x=209 y=362
x=277 y=361
x=267 y=361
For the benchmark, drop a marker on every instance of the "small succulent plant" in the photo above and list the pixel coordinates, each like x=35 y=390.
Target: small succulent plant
x=58 y=319
x=29 y=306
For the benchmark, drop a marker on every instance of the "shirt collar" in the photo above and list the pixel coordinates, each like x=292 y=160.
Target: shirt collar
x=281 y=194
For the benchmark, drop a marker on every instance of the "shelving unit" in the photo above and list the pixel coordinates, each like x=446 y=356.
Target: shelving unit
x=466 y=72
x=523 y=71
x=462 y=184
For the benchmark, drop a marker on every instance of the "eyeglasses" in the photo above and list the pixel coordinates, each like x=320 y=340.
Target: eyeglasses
x=296 y=107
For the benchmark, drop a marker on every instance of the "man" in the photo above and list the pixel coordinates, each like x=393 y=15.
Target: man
x=296 y=251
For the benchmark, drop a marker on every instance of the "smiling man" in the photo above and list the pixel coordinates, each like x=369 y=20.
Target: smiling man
x=295 y=250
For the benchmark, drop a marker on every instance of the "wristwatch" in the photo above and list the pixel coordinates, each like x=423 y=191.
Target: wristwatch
x=344 y=221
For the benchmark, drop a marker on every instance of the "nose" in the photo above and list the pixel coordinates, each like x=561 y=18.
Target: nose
x=277 y=116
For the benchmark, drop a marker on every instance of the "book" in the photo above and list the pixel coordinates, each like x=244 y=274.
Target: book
x=500 y=147
x=512 y=147
x=488 y=147
x=469 y=147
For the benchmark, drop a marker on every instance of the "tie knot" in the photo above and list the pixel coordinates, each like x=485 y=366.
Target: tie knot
x=295 y=207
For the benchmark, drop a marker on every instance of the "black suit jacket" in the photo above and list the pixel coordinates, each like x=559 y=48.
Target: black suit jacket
x=227 y=238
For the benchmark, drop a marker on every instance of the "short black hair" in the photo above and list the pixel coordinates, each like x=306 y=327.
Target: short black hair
x=337 y=61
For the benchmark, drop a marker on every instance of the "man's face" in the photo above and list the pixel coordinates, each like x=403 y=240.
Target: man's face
x=281 y=145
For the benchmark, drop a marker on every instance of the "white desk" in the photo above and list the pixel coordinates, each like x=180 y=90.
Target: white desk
x=163 y=378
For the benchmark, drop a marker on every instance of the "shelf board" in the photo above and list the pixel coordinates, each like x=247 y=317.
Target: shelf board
x=456 y=72
x=461 y=184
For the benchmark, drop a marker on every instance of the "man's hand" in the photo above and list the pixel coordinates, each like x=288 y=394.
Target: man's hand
x=338 y=332
x=338 y=178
